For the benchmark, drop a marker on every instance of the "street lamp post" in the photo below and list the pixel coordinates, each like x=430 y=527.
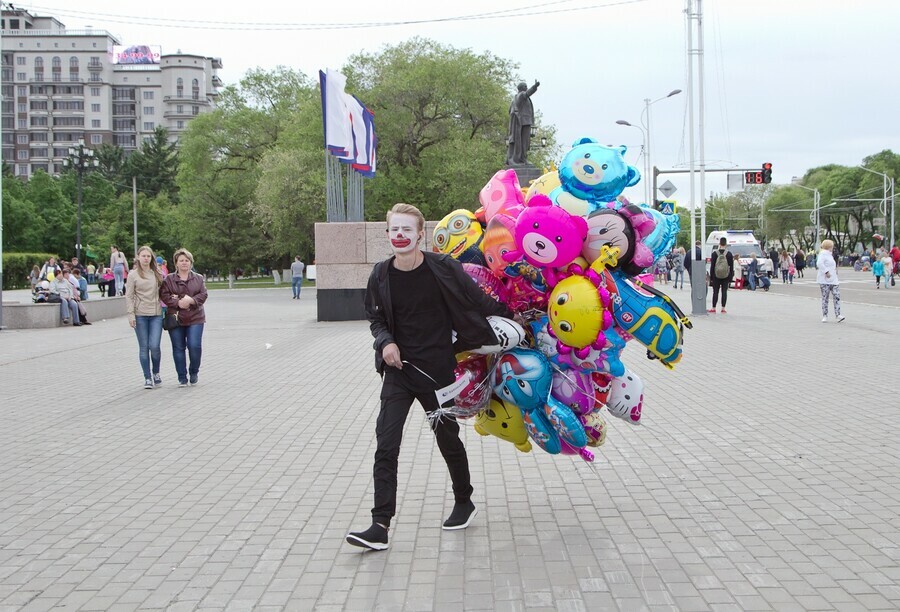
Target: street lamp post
x=80 y=158
x=646 y=112
x=888 y=188
x=816 y=207
x=645 y=131
x=644 y=147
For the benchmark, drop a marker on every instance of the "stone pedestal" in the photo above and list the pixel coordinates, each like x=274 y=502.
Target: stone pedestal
x=345 y=255
x=526 y=172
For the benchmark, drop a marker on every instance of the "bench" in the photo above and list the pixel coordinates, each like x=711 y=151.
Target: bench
x=26 y=315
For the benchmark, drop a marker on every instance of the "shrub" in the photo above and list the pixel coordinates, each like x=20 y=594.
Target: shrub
x=17 y=267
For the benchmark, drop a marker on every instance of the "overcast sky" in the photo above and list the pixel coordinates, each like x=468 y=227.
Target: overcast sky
x=798 y=83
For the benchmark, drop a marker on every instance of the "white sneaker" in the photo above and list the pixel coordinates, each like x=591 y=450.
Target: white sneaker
x=840 y=319
x=825 y=319
x=148 y=384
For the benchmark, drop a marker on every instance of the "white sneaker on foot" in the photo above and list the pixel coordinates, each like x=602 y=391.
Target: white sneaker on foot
x=840 y=319
x=825 y=319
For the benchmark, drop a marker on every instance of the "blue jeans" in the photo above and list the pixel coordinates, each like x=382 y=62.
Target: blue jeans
x=679 y=274
x=119 y=275
x=149 y=332
x=295 y=285
x=187 y=338
x=69 y=310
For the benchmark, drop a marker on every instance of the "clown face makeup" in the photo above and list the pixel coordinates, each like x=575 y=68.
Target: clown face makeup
x=404 y=234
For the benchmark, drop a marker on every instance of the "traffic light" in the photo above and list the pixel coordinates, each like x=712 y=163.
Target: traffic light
x=767 y=172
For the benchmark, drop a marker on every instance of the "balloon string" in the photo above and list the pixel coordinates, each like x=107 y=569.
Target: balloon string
x=574 y=384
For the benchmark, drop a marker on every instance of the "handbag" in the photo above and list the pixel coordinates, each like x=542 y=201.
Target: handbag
x=171 y=321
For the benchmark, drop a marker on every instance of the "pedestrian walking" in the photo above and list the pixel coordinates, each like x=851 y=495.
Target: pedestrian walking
x=414 y=301
x=117 y=263
x=828 y=281
x=145 y=313
x=785 y=262
x=721 y=265
x=800 y=261
x=678 y=267
x=878 y=272
x=297 y=276
x=184 y=292
x=888 y=264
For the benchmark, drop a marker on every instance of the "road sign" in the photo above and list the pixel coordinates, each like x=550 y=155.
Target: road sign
x=667 y=189
x=667 y=207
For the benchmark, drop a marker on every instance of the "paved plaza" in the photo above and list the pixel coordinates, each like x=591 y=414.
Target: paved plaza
x=765 y=475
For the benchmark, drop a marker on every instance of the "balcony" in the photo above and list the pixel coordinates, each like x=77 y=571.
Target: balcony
x=95 y=67
x=186 y=114
x=183 y=98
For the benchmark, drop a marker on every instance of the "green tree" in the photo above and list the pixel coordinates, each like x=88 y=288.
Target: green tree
x=223 y=156
x=155 y=165
x=441 y=117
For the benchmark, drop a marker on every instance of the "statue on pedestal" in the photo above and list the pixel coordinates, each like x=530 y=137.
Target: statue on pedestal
x=521 y=117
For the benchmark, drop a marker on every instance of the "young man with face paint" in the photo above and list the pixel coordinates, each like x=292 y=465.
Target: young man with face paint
x=415 y=302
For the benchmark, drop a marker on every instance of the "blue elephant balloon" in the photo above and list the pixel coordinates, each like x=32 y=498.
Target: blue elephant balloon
x=591 y=171
x=523 y=377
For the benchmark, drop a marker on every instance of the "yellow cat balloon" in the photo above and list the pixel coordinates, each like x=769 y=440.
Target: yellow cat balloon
x=503 y=420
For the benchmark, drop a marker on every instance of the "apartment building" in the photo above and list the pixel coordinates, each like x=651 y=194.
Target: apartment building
x=60 y=86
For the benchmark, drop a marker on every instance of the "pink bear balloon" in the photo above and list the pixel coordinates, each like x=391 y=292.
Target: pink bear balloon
x=547 y=236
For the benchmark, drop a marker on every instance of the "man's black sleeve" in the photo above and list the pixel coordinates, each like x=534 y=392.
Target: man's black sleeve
x=486 y=305
x=375 y=314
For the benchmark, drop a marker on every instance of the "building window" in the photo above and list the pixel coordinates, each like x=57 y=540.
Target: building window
x=95 y=91
x=149 y=126
x=195 y=89
x=95 y=61
x=23 y=108
x=22 y=154
x=20 y=61
x=22 y=123
x=22 y=138
x=39 y=152
x=95 y=77
x=39 y=137
x=148 y=110
x=22 y=91
x=38 y=105
x=95 y=123
x=38 y=62
x=179 y=125
x=195 y=110
x=73 y=63
x=179 y=109
x=95 y=108
x=21 y=76
x=57 y=63
x=96 y=138
x=148 y=95
x=21 y=169
x=179 y=87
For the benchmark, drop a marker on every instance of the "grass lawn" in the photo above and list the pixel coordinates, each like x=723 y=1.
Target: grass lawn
x=257 y=282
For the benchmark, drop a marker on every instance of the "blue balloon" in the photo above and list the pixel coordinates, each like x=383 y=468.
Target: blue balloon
x=591 y=171
x=661 y=240
x=523 y=377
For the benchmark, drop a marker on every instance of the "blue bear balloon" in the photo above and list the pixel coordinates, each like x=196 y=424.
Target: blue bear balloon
x=597 y=173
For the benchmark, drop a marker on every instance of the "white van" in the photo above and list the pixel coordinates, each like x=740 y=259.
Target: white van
x=742 y=244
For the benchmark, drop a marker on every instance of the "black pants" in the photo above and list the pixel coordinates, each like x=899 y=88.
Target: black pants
x=723 y=284
x=397 y=395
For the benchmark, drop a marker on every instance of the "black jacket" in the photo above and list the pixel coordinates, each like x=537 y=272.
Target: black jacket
x=467 y=303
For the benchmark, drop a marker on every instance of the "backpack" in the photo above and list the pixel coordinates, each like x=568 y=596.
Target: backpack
x=722 y=265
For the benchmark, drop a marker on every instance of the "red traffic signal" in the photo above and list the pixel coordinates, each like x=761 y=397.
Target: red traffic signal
x=767 y=172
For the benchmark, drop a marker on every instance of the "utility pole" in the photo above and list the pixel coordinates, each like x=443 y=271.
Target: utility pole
x=134 y=210
x=698 y=267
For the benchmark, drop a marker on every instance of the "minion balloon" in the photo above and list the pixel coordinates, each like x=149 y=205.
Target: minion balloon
x=459 y=235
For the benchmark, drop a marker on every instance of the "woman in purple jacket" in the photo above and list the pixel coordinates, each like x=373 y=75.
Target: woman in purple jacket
x=184 y=293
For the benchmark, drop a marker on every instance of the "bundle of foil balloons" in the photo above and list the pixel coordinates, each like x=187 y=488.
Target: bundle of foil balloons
x=568 y=256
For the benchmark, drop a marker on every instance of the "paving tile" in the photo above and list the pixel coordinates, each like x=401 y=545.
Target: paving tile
x=236 y=494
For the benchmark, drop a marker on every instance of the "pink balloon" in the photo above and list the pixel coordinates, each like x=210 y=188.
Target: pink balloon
x=488 y=282
x=477 y=393
x=502 y=195
x=575 y=389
